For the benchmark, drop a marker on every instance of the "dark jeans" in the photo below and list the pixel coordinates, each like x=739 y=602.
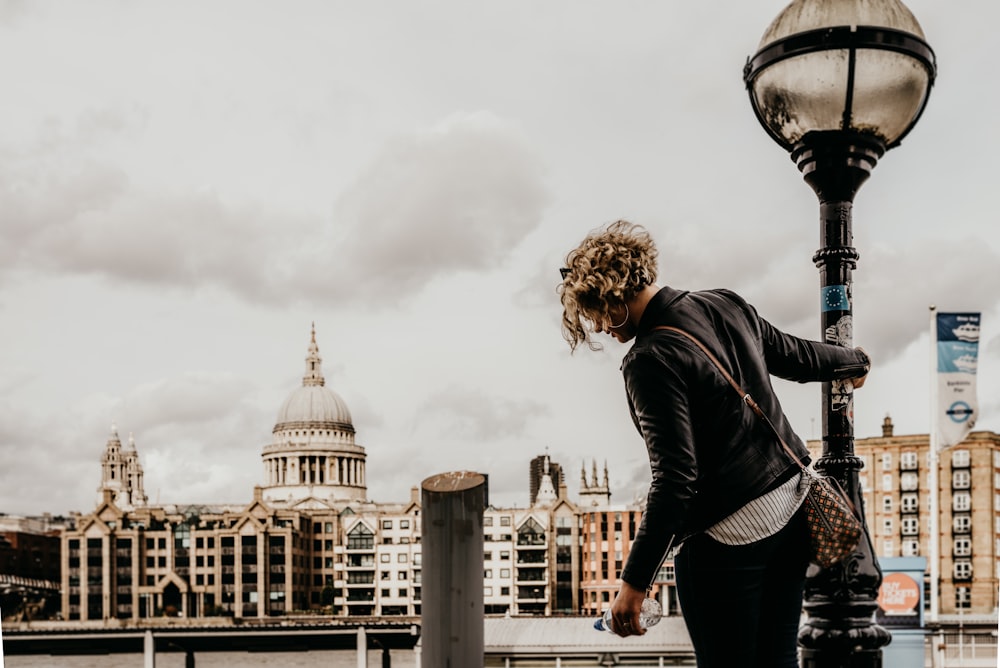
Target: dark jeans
x=742 y=603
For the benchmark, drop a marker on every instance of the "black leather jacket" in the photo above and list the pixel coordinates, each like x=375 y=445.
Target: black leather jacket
x=710 y=454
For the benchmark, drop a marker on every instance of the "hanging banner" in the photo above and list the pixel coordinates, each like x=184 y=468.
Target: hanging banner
x=957 y=350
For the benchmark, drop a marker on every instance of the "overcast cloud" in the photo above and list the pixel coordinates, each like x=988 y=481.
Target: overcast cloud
x=186 y=187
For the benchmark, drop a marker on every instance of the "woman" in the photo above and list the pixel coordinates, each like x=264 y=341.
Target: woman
x=722 y=486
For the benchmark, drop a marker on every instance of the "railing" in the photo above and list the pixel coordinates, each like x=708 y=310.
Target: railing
x=966 y=650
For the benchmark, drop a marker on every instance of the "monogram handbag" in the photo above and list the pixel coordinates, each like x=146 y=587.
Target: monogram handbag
x=834 y=526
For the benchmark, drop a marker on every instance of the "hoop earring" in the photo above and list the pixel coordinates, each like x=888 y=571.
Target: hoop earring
x=622 y=323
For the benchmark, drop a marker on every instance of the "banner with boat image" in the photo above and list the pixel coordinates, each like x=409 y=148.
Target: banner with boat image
x=957 y=351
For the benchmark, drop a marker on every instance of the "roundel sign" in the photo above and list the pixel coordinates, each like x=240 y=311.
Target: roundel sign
x=899 y=594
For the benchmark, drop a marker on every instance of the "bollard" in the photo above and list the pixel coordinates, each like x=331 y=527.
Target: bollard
x=148 y=650
x=452 y=507
x=362 y=648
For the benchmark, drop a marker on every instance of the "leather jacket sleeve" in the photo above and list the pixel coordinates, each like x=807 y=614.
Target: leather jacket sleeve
x=651 y=384
x=800 y=360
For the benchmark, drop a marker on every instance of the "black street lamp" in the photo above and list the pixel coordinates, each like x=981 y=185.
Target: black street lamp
x=837 y=83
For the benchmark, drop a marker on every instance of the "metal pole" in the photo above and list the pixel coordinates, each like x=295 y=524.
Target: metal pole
x=452 y=507
x=934 y=486
x=840 y=601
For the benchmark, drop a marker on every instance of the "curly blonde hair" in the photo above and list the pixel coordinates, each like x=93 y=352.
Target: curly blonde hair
x=609 y=267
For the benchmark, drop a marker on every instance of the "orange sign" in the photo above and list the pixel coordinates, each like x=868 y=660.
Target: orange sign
x=899 y=594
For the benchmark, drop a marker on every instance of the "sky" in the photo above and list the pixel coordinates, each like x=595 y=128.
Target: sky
x=186 y=187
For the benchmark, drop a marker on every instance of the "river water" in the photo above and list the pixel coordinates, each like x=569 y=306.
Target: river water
x=311 y=659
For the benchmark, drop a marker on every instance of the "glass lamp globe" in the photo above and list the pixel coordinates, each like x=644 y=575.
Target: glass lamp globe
x=860 y=66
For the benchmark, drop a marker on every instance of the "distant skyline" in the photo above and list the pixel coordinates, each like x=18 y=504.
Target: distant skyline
x=185 y=187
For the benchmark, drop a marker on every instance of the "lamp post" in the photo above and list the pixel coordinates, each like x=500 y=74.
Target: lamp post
x=837 y=83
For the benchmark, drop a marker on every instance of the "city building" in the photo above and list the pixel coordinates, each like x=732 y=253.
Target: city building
x=538 y=467
x=896 y=488
x=310 y=540
x=29 y=565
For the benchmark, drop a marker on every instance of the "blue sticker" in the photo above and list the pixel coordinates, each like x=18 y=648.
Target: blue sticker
x=834 y=298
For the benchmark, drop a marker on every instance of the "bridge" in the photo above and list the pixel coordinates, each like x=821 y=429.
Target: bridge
x=508 y=641
x=192 y=637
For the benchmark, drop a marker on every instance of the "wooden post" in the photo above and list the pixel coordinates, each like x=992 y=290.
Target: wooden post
x=452 y=506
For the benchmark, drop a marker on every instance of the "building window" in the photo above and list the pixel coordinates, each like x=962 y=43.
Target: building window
x=910 y=503
x=505 y=521
x=386 y=524
x=505 y=572
x=404 y=524
x=887 y=548
x=487 y=591
x=909 y=481
x=887 y=482
x=505 y=591
x=961 y=523
x=960 y=459
x=963 y=547
x=911 y=526
x=488 y=573
x=963 y=598
x=963 y=570
x=886 y=504
x=886 y=461
x=961 y=479
x=402 y=558
x=908 y=461
x=961 y=502
x=887 y=525
x=504 y=555
x=911 y=548
x=360 y=538
x=385 y=558
x=487 y=521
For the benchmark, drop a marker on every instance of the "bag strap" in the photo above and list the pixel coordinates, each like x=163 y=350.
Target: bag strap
x=744 y=396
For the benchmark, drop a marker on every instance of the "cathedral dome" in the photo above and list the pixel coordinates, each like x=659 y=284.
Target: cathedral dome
x=312 y=458
x=314 y=406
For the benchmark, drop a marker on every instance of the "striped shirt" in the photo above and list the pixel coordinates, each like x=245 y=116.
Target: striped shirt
x=764 y=516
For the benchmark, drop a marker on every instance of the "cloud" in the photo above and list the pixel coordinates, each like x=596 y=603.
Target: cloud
x=199 y=438
x=471 y=414
x=897 y=285
x=460 y=196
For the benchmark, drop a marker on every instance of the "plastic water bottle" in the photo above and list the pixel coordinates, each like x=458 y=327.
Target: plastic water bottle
x=649 y=615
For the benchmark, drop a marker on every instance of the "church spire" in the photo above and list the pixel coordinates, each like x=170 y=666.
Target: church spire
x=314 y=363
x=546 y=490
x=121 y=473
